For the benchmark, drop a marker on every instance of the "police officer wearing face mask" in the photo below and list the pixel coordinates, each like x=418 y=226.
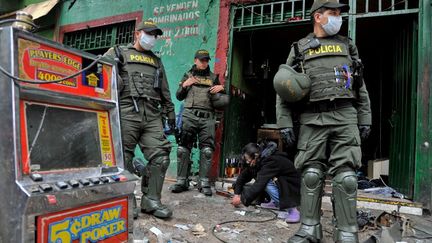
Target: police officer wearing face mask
x=196 y=88
x=335 y=118
x=144 y=99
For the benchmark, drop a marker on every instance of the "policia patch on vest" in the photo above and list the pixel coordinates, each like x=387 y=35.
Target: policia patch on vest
x=327 y=50
x=141 y=58
x=204 y=81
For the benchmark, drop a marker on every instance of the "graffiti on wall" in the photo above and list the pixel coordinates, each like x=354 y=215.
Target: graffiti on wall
x=177 y=20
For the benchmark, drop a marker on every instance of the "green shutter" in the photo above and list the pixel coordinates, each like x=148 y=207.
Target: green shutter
x=100 y=37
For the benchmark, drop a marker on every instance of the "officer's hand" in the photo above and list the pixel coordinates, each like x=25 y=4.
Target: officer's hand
x=288 y=136
x=190 y=81
x=216 y=89
x=364 y=131
x=172 y=125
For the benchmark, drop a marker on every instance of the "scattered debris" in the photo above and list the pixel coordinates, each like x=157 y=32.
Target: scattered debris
x=156 y=231
x=181 y=226
x=144 y=240
x=217 y=228
x=175 y=203
x=281 y=224
x=385 y=192
x=162 y=238
x=242 y=213
x=225 y=229
x=199 y=196
x=198 y=230
x=393 y=227
x=365 y=220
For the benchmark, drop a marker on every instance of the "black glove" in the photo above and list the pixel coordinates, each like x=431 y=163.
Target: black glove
x=172 y=125
x=288 y=136
x=364 y=131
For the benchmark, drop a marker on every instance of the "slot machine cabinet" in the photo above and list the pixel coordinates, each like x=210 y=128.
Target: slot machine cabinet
x=61 y=173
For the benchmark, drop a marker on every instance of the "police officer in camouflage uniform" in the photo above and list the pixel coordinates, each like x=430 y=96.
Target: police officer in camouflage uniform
x=143 y=95
x=197 y=87
x=334 y=119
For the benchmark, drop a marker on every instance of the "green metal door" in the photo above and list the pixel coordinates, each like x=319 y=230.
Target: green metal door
x=423 y=167
x=403 y=120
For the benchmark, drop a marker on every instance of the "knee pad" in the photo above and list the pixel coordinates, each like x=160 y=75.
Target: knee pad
x=311 y=194
x=346 y=181
x=312 y=177
x=165 y=164
x=207 y=152
x=344 y=201
x=181 y=150
x=161 y=162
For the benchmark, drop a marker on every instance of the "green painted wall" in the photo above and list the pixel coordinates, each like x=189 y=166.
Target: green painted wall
x=188 y=26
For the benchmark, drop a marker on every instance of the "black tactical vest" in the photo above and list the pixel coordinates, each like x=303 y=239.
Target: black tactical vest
x=139 y=72
x=198 y=95
x=330 y=69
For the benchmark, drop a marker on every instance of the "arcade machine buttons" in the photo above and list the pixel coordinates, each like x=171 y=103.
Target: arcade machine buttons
x=104 y=179
x=95 y=181
x=84 y=182
x=115 y=177
x=36 y=177
x=61 y=185
x=45 y=187
x=73 y=183
x=34 y=189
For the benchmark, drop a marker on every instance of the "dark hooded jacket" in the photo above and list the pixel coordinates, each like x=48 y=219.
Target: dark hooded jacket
x=275 y=166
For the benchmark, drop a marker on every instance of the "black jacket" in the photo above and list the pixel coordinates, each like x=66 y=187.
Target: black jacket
x=277 y=166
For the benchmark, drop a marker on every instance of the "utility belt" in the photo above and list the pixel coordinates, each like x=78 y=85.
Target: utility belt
x=145 y=99
x=202 y=113
x=136 y=101
x=327 y=105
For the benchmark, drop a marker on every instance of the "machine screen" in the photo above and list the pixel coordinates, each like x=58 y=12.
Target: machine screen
x=62 y=138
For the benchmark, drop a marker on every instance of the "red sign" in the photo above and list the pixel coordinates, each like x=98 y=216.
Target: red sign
x=105 y=222
x=37 y=61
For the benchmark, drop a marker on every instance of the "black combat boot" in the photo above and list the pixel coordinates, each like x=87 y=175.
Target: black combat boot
x=205 y=164
x=151 y=186
x=183 y=168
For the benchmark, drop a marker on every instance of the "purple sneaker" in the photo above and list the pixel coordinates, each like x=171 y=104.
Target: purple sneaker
x=270 y=205
x=293 y=216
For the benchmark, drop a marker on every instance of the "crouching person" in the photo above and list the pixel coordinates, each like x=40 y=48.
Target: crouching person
x=275 y=174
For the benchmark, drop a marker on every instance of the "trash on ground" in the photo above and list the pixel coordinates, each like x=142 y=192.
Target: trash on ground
x=385 y=192
x=155 y=231
x=281 y=224
x=198 y=230
x=181 y=226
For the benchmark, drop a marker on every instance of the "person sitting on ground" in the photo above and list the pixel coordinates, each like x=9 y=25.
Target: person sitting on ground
x=275 y=174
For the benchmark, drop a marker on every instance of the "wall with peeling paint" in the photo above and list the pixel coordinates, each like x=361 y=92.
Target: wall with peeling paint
x=188 y=25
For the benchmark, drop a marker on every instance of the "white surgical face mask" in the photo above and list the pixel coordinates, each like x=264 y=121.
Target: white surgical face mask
x=333 y=25
x=147 y=41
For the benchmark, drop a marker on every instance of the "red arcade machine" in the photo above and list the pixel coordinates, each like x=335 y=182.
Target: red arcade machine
x=61 y=173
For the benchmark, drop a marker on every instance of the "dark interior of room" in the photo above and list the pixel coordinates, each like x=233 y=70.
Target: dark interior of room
x=384 y=44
